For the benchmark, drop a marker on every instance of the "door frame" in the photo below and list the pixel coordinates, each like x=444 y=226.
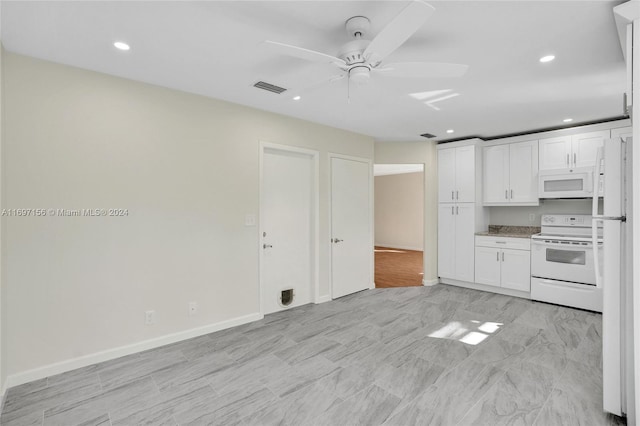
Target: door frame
x=315 y=220
x=369 y=161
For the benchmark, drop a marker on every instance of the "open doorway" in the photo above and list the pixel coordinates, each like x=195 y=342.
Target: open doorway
x=399 y=225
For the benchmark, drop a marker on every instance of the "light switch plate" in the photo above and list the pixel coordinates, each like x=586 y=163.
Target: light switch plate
x=250 y=220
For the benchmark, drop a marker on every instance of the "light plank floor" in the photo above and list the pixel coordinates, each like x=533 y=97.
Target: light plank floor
x=441 y=355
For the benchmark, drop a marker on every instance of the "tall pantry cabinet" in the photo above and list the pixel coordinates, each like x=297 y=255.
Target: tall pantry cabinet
x=460 y=211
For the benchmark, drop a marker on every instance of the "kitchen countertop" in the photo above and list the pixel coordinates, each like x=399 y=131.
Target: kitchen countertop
x=510 y=231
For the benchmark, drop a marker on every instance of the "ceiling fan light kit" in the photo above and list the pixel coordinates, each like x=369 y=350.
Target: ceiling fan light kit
x=359 y=58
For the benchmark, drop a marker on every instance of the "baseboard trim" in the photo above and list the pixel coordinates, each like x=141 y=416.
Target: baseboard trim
x=109 y=354
x=395 y=246
x=429 y=283
x=323 y=299
x=487 y=288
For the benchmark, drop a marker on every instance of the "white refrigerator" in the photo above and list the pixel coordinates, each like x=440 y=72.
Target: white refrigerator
x=613 y=179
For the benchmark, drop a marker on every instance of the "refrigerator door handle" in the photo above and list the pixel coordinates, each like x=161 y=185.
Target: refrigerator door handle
x=596 y=217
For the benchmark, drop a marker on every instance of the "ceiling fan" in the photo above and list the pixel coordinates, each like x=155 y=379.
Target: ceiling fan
x=359 y=58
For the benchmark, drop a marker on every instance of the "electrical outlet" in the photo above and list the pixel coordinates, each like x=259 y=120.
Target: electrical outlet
x=193 y=308
x=532 y=217
x=149 y=317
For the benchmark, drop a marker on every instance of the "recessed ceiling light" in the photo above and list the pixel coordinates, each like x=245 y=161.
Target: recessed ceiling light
x=547 y=58
x=568 y=120
x=121 y=45
x=450 y=131
x=296 y=98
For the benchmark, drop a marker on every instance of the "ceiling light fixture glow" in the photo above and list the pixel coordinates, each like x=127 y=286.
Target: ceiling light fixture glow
x=547 y=58
x=450 y=131
x=121 y=45
x=567 y=120
x=296 y=98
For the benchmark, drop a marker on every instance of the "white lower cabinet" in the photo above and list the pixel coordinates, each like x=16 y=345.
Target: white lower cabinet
x=503 y=262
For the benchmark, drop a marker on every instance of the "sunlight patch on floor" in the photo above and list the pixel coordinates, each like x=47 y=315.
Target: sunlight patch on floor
x=470 y=332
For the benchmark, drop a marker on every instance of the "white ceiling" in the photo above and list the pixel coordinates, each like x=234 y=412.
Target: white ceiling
x=213 y=48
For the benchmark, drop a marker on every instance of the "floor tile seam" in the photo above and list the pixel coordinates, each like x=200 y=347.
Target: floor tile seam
x=553 y=388
x=480 y=397
x=109 y=416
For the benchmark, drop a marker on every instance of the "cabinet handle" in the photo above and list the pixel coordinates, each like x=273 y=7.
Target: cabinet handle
x=506 y=194
x=503 y=256
x=567 y=159
x=575 y=159
x=457 y=210
x=451 y=209
x=497 y=256
x=512 y=194
x=456 y=195
x=452 y=195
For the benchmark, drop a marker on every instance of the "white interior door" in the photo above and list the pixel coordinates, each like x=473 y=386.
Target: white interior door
x=351 y=230
x=287 y=231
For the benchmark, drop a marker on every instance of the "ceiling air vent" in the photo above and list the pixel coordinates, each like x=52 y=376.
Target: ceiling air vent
x=428 y=135
x=269 y=87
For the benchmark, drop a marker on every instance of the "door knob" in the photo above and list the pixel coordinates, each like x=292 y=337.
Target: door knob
x=336 y=240
x=266 y=246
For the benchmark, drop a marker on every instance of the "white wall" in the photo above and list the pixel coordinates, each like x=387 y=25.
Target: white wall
x=187 y=169
x=416 y=153
x=399 y=211
x=519 y=216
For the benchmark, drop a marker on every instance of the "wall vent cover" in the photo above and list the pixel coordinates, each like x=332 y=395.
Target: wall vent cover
x=428 y=135
x=269 y=87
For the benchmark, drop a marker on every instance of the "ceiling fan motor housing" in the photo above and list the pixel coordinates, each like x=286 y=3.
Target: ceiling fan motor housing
x=360 y=74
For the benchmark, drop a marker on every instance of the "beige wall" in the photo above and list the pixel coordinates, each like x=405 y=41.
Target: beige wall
x=416 y=153
x=399 y=211
x=186 y=168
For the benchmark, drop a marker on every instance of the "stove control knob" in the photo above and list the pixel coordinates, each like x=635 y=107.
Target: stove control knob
x=552 y=219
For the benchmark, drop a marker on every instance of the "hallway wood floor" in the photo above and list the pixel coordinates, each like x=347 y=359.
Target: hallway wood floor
x=398 y=267
x=404 y=356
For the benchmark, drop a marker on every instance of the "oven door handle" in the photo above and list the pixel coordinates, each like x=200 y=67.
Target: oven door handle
x=560 y=246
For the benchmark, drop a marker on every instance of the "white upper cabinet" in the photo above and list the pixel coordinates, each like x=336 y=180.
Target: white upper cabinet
x=570 y=152
x=511 y=174
x=555 y=153
x=622 y=132
x=447 y=175
x=456 y=174
x=523 y=172
x=495 y=187
x=466 y=174
x=585 y=147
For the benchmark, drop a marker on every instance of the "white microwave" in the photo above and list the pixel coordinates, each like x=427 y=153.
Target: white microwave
x=565 y=183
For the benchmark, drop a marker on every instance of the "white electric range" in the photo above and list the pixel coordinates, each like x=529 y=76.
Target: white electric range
x=562 y=262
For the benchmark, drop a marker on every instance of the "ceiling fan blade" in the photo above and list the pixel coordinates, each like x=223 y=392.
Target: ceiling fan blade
x=302 y=53
x=398 y=31
x=422 y=70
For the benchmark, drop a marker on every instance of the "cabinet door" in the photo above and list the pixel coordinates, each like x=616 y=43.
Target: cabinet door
x=516 y=269
x=446 y=241
x=446 y=175
x=622 y=132
x=488 y=266
x=555 y=153
x=585 y=148
x=465 y=241
x=466 y=174
x=523 y=172
x=495 y=182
